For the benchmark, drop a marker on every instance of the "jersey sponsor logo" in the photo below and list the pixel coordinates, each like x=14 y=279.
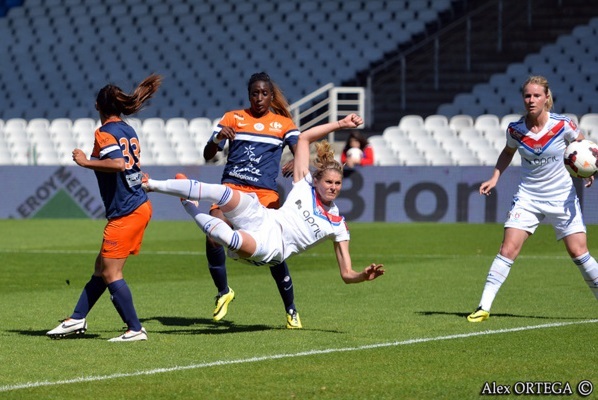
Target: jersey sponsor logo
x=309 y=219
x=275 y=126
x=537 y=148
x=541 y=161
x=134 y=179
x=241 y=124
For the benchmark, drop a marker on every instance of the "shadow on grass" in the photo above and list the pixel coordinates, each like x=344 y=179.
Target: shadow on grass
x=195 y=326
x=209 y=326
x=43 y=333
x=464 y=315
x=206 y=326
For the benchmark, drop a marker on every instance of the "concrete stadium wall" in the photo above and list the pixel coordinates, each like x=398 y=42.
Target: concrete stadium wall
x=385 y=194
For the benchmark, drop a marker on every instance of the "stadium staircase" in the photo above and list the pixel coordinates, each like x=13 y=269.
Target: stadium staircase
x=522 y=33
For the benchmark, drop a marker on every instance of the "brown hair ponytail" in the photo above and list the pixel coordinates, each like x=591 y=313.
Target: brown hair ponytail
x=111 y=100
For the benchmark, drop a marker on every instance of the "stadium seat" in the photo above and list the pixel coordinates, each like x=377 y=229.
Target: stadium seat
x=47 y=156
x=448 y=109
x=65 y=146
x=518 y=70
x=393 y=133
x=425 y=143
x=572 y=116
x=88 y=26
x=501 y=81
x=61 y=128
x=436 y=156
x=377 y=141
x=441 y=133
x=177 y=126
x=385 y=157
x=507 y=119
x=463 y=156
x=134 y=123
x=154 y=128
x=588 y=123
x=189 y=156
x=435 y=121
x=477 y=143
x=200 y=130
x=37 y=127
x=487 y=155
x=84 y=128
x=493 y=134
x=486 y=121
x=460 y=121
x=403 y=149
x=409 y=122
x=5 y=157
x=452 y=143
x=165 y=155
x=414 y=134
x=15 y=127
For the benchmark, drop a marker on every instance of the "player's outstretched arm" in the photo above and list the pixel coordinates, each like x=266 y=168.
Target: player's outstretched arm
x=105 y=165
x=504 y=159
x=302 y=152
x=348 y=274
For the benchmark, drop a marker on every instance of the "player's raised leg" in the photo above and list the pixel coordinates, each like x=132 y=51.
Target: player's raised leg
x=192 y=190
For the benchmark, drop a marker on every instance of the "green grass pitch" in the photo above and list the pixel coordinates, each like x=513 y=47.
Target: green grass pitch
x=403 y=336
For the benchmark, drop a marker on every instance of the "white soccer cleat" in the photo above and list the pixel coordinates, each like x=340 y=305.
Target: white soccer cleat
x=194 y=202
x=68 y=327
x=131 y=336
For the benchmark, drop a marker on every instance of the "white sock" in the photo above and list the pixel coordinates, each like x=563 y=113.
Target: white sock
x=499 y=270
x=185 y=188
x=217 y=229
x=192 y=189
x=589 y=270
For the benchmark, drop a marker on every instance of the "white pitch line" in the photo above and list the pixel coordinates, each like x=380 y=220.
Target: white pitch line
x=30 y=385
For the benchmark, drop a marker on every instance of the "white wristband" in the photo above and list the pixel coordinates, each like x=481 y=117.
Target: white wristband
x=216 y=140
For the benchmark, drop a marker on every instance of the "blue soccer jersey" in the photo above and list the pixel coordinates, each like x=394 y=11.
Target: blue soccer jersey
x=121 y=192
x=254 y=155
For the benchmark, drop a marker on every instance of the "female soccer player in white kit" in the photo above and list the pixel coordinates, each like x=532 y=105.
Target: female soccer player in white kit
x=545 y=193
x=308 y=216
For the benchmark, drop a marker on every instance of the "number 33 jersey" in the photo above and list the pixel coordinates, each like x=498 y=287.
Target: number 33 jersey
x=121 y=191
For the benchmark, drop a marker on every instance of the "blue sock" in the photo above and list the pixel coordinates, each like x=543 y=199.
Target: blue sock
x=217 y=265
x=283 y=280
x=123 y=302
x=92 y=291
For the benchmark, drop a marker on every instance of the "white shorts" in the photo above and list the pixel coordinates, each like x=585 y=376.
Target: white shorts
x=257 y=220
x=564 y=216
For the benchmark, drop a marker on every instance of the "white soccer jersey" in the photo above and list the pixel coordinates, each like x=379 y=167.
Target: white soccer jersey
x=302 y=222
x=305 y=221
x=543 y=173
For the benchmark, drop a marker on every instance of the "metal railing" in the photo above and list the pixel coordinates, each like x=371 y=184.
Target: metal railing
x=328 y=103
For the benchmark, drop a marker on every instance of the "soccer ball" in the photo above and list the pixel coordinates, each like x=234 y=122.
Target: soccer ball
x=355 y=154
x=581 y=158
